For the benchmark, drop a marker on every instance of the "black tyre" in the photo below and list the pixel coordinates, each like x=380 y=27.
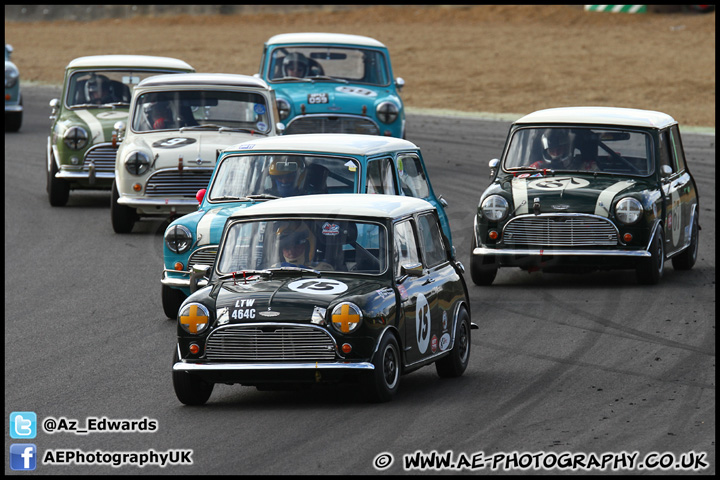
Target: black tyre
x=650 y=270
x=382 y=384
x=172 y=298
x=58 y=190
x=190 y=389
x=13 y=121
x=454 y=364
x=686 y=259
x=482 y=270
x=123 y=218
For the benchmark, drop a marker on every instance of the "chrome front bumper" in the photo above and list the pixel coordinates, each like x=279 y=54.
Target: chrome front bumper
x=540 y=252
x=196 y=367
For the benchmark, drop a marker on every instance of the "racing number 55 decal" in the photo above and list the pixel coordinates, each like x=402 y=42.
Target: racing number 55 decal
x=422 y=323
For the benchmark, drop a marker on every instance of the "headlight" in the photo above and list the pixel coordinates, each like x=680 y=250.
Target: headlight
x=346 y=317
x=75 y=138
x=11 y=75
x=283 y=108
x=494 y=208
x=137 y=163
x=628 y=210
x=194 y=318
x=387 y=112
x=178 y=238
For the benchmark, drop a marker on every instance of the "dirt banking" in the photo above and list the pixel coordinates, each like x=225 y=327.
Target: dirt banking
x=511 y=59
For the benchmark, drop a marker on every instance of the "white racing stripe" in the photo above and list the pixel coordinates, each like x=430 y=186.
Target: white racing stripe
x=519 y=192
x=604 y=201
x=96 y=133
x=205 y=224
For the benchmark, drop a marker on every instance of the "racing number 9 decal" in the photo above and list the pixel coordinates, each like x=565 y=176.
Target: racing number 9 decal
x=422 y=323
x=318 y=286
x=173 y=142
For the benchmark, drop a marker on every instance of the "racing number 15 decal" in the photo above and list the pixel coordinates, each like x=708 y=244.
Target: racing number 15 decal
x=422 y=323
x=318 y=286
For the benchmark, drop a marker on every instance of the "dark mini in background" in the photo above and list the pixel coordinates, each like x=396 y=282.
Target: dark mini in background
x=585 y=188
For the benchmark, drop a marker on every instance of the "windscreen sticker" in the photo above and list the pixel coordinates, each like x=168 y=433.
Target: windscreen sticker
x=262 y=126
x=320 y=286
x=259 y=109
x=357 y=91
x=173 y=142
x=330 y=229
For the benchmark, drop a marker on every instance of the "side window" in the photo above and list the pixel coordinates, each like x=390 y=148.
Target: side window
x=665 y=156
x=406 y=250
x=430 y=239
x=381 y=177
x=677 y=149
x=412 y=176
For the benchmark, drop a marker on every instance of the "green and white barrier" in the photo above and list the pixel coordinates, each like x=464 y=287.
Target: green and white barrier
x=617 y=8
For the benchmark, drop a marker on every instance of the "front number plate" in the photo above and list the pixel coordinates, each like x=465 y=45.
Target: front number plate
x=314 y=98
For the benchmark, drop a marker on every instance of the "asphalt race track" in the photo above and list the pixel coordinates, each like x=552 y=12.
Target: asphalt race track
x=585 y=364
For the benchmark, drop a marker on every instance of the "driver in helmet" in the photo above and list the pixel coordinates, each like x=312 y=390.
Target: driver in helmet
x=94 y=89
x=295 y=65
x=158 y=115
x=298 y=246
x=557 y=149
x=287 y=174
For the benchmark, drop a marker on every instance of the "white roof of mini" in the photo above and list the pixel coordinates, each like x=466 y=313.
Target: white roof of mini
x=346 y=204
x=600 y=115
x=218 y=79
x=140 y=61
x=323 y=38
x=342 y=143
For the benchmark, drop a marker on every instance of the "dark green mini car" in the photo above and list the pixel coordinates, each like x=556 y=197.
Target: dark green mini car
x=325 y=288
x=586 y=188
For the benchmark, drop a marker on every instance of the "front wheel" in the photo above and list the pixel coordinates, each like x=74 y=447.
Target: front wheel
x=190 y=389
x=58 y=190
x=482 y=269
x=172 y=298
x=383 y=382
x=687 y=258
x=454 y=364
x=650 y=270
x=123 y=218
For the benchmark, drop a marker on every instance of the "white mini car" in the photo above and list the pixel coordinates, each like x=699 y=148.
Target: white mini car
x=177 y=127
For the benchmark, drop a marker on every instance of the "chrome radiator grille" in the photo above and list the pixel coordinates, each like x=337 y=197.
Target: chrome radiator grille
x=560 y=231
x=332 y=124
x=172 y=182
x=269 y=343
x=103 y=156
x=203 y=256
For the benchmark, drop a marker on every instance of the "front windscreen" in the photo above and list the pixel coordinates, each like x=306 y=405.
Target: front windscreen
x=357 y=65
x=282 y=175
x=601 y=150
x=318 y=243
x=103 y=87
x=201 y=109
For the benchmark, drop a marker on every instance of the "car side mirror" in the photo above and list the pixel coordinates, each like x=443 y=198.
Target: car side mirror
x=412 y=269
x=118 y=132
x=198 y=276
x=54 y=104
x=280 y=127
x=442 y=201
x=399 y=83
x=200 y=195
x=493 y=166
x=666 y=170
